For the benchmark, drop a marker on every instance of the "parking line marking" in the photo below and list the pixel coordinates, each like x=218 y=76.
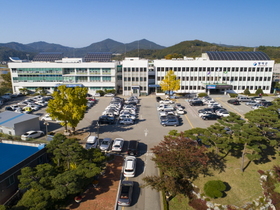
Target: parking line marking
x=189 y=121
x=230 y=108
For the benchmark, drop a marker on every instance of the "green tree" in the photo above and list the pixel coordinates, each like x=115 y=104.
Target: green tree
x=7 y=81
x=41 y=91
x=69 y=153
x=247 y=91
x=181 y=161
x=170 y=83
x=259 y=91
x=65 y=184
x=68 y=105
x=214 y=188
x=24 y=91
x=173 y=55
x=37 y=199
x=4 y=90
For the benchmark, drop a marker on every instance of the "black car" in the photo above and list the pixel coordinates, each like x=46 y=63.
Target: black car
x=196 y=103
x=266 y=103
x=211 y=117
x=8 y=108
x=104 y=119
x=233 y=101
x=132 y=148
x=158 y=99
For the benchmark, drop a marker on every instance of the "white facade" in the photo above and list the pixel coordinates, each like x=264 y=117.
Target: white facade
x=135 y=76
x=196 y=74
x=94 y=75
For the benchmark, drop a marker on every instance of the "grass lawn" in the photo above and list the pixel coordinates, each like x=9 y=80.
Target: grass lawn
x=244 y=187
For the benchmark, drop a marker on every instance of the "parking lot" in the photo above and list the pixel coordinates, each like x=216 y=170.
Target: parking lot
x=147 y=130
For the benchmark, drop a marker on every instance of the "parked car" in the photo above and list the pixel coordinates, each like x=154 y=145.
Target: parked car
x=8 y=108
x=211 y=117
x=205 y=109
x=125 y=193
x=47 y=117
x=126 y=121
x=243 y=99
x=233 y=101
x=196 y=103
x=127 y=116
x=97 y=95
x=132 y=148
x=129 y=166
x=250 y=103
x=105 y=144
x=31 y=134
x=170 y=121
x=158 y=99
x=118 y=145
x=105 y=119
x=224 y=114
x=92 y=142
x=257 y=106
x=180 y=111
x=109 y=95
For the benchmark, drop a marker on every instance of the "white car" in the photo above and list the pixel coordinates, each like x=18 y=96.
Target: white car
x=127 y=116
x=118 y=145
x=204 y=113
x=180 y=111
x=96 y=95
x=105 y=144
x=31 y=134
x=129 y=166
x=165 y=113
x=211 y=105
x=92 y=142
x=126 y=122
x=109 y=95
x=224 y=114
x=166 y=101
x=47 y=117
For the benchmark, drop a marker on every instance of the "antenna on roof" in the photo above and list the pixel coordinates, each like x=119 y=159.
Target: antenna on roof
x=254 y=49
x=138 y=48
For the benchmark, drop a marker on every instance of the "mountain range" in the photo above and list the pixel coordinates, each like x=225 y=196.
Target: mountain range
x=141 y=48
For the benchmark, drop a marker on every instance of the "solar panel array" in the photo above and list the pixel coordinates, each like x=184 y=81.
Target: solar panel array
x=98 y=57
x=237 y=55
x=48 y=56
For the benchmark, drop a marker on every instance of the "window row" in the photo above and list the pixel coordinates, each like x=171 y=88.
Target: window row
x=129 y=88
x=134 y=69
x=234 y=87
x=135 y=79
x=220 y=78
x=212 y=69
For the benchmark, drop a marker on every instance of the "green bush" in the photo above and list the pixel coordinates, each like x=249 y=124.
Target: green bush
x=102 y=93
x=202 y=94
x=246 y=91
x=259 y=91
x=233 y=95
x=214 y=188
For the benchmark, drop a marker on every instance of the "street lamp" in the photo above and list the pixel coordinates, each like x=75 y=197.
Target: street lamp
x=98 y=126
x=46 y=124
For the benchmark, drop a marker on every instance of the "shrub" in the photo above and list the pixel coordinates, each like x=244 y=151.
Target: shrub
x=233 y=95
x=202 y=94
x=214 y=188
x=102 y=93
x=259 y=91
x=246 y=91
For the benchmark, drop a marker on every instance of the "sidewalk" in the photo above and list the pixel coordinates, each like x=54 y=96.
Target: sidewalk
x=104 y=196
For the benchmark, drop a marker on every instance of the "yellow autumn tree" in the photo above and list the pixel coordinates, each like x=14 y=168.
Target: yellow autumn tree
x=170 y=83
x=68 y=105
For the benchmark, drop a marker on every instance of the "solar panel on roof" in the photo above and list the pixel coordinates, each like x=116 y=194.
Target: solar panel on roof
x=98 y=57
x=48 y=56
x=237 y=55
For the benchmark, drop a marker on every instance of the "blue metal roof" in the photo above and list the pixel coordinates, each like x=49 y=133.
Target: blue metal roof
x=240 y=55
x=12 y=154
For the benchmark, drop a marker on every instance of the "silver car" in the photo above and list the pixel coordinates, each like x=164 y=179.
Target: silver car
x=105 y=144
x=125 y=193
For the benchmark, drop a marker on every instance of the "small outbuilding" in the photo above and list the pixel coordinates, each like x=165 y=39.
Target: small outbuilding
x=16 y=124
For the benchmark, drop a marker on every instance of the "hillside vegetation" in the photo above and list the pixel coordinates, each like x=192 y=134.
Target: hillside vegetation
x=142 y=48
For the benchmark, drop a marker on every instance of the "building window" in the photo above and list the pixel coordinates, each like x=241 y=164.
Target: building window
x=260 y=78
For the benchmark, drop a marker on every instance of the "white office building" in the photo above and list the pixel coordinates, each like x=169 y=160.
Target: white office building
x=213 y=72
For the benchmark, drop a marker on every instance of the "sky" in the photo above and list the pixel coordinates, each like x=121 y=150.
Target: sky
x=74 y=23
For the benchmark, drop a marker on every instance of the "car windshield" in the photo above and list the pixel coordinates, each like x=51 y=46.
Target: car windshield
x=105 y=142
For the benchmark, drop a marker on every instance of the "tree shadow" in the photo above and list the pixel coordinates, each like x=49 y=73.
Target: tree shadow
x=228 y=188
x=215 y=162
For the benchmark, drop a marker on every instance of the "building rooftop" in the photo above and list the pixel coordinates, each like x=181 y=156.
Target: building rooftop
x=8 y=118
x=12 y=154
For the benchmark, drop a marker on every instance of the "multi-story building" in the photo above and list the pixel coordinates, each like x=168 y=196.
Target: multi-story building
x=49 y=73
x=213 y=72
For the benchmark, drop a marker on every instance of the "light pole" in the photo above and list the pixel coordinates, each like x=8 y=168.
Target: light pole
x=97 y=124
x=46 y=124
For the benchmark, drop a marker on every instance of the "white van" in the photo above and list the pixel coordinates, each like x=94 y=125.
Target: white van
x=243 y=99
